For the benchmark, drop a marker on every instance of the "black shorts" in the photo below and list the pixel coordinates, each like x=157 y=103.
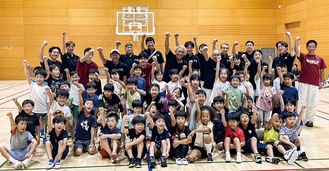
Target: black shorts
x=135 y=152
x=202 y=150
x=54 y=152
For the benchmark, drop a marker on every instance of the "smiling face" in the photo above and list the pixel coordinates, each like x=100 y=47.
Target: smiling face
x=115 y=57
x=233 y=124
x=139 y=127
x=150 y=45
x=282 y=49
x=75 y=78
x=180 y=53
x=159 y=77
x=311 y=48
x=61 y=100
x=70 y=48
x=189 y=50
x=154 y=91
x=54 y=54
x=39 y=79
x=28 y=108
x=224 y=48
x=218 y=106
x=223 y=75
x=205 y=117
x=290 y=107
x=129 y=50
x=160 y=123
x=137 y=72
x=235 y=82
x=249 y=47
x=257 y=56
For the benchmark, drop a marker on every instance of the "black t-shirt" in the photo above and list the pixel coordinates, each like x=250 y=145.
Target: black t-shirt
x=148 y=99
x=158 y=137
x=57 y=63
x=54 y=139
x=107 y=103
x=219 y=129
x=225 y=60
x=158 y=54
x=84 y=125
x=32 y=122
x=250 y=57
x=175 y=131
x=209 y=71
x=171 y=63
x=70 y=62
x=129 y=60
x=249 y=132
x=253 y=70
x=196 y=62
x=285 y=59
x=54 y=84
x=123 y=70
x=99 y=87
x=133 y=135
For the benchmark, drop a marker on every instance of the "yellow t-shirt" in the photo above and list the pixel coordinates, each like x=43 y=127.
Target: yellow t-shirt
x=271 y=136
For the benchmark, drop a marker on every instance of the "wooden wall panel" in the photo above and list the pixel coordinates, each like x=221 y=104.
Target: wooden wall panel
x=25 y=24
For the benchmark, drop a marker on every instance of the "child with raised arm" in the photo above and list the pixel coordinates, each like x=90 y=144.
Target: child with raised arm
x=234 y=136
x=131 y=92
x=233 y=94
x=54 y=53
x=219 y=130
x=135 y=147
x=271 y=138
x=38 y=96
x=136 y=72
x=86 y=127
x=109 y=144
x=56 y=148
x=33 y=124
x=160 y=142
x=94 y=77
x=20 y=152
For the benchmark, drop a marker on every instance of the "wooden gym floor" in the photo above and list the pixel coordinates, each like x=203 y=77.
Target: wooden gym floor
x=316 y=144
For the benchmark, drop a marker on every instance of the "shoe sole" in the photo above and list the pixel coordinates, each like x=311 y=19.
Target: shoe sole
x=275 y=160
x=293 y=158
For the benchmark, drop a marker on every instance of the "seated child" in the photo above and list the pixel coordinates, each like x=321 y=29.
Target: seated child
x=90 y=93
x=20 y=153
x=94 y=77
x=271 y=138
x=135 y=147
x=219 y=130
x=56 y=148
x=111 y=135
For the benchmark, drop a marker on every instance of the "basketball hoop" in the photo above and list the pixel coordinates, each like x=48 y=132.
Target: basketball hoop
x=135 y=35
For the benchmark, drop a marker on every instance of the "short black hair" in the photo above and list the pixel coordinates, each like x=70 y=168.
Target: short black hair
x=113 y=115
x=157 y=117
x=289 y=75
x=52 y=67
x=91 y=85
x=219 y=99
x=250 y=41
x=172 y=103
x=267 y=76
x=189 y=43
x=19 y=118
x=59 y=119
x=137 y=103
x=138 y=67
x=65 y=83
x=201 y=92
x=138 y=119
x=108 y=87
x=115 y=71
x=86 y=50
x=291 y=101
x=73 y=73
x=311 y=41
x=283 y=43
x=131 y=81
x=41 y=72
x=54 y=47
x=143 y=55
x=288 y=115
x=235 y=76
x=28 y=101
x=62 y=92
x=149 y=39
x=202 y=45
x=180 y=113
x=129 y=44
x=88 y=100
x=93 y=71
x=234 y=116
x=173 y=71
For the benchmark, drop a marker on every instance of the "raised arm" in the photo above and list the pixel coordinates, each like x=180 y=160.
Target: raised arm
x=234 y=47
x=45 y=62
x=281 y=100
x=259 y=68
x=27 y=72
x=19 y=107
x=292 y=45
x=245 y=70
x=87 y=55
x=227 y=95
x=270 y=65
x=11 y=121
x=131 y=72
x=297 y=46
x=262 y=74
x=271 y=121
x=142 y=43
x=198 y=110
x=43 y=45
x=117 y=44
x=280 y=74
x=123 y=129
x=180 y=75
x=218 y=68
x=255 y=114
x=50 y=95
x=204 y=52
x=101 y=55
x=148 y=117
x=222 y=112
x=68 y=76
x=80 y=99
x=196 y=47
x=176 y=35
x=63 y=42
x=172 y=116
x=108 y=76
x=214 y=44
x=167 y=48
x=49 y=121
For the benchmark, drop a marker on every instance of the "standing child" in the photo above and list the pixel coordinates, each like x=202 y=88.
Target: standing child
x=233 y=95
x=93 y=76
x=131 y=92
x=135 y=143
x=57 y=148
x=109 y=144
x=20 y=153
x=136 y=72
x=219 y=130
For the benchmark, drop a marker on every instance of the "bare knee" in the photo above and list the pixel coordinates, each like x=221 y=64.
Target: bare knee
x=206 y=139
x=78 y=152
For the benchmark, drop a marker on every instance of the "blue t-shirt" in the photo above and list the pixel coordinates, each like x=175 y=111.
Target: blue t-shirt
x=107 y=130
x=84 y=125
x=289 y=92
x=141 y=83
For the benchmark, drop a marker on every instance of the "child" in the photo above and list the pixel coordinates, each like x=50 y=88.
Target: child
x=271 y=138
x=160 y=142
x=233 y=95
x=289 y=90
x=234 y=136
x=109 y=99
x=175 y=77
x=94 y=77
x=179 y=137
x=53 y=78
x=135 y=145
x=203 y=144
x=20 y=153
x=137 y=111
x=219 y=130
x=246 y=83
x=200 y=99
x=56 y=148
x=38 y=96
x=289 y=133
x=33 y=124
x=156 y=78
x=147 y=67
x=113 y=78
x=132 y=93
x=136 y=72
x=175 y=95
x=86 y=127
x=109 y=143
x=193 y=85
x=153 y=95
x=237 y=64
x=90 y=93
x=220 y=81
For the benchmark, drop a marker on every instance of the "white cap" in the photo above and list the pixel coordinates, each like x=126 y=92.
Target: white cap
x=115 y=50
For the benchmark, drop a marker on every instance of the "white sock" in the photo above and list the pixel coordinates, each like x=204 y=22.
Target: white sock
x=302 y=149
x=208 y=147
x=12 y=160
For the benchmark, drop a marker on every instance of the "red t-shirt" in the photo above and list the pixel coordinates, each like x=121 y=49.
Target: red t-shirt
x=146 y=74
x=83 y=69
x=229 y=132
x=311 y=66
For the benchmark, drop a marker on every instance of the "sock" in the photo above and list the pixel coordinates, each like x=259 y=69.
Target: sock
x=238 y=153
x=163 y=155
x=302 y=149
x=208 y=147
x=12 y=160
x=227 y=152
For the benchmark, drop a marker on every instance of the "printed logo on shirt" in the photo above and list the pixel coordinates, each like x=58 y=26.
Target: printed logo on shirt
x=312 y=61
x=84 y=125
x=120 y=69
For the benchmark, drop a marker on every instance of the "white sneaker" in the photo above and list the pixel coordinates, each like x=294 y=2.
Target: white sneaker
x=184 y=161
x=26 y=162
x=50 y=165
x=179 y=161
x=287 y=154
x=17 y=164
x=293 y=157
x=227 y=157
x=57 y=164
x=238 y=158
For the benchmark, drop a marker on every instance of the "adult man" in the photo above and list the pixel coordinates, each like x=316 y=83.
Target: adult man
x=285 y=57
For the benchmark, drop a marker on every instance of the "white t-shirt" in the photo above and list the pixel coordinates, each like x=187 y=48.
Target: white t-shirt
x=250 y=89
x=162 y=84
x=74 y=92
x=218 y=89
x=55 y=106
x=39 y=97
x=199 y=136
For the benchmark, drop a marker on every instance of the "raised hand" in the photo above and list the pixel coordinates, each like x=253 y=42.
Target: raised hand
x=216 y=40
x=288 y=33
x=167 y=34
x=176 y=35
x=117 y=43
x=195 y=38
x=236 y=43
x=100 y=49
x=298 y=38
x=64 y=34
x=44 y=43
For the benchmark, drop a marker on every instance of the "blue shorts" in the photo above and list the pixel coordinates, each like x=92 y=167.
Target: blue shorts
x=83 y=144
x=247 y=147
x=19 y=154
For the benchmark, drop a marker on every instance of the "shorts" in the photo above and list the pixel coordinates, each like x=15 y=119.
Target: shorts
x=264 y=116
x=134 y=150
x=54 y=152
x=202 y=150
x=247 y=148
x=104 y=153
x=41 y=115
x=83 y=144
x=19 y=154
x=75 y=111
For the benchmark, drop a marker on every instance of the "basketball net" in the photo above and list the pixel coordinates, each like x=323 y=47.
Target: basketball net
x=135 y=36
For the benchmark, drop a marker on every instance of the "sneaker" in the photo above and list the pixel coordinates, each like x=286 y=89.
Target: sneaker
x=288 y=153
x=17 y=164
x=152 y=161
x=163 y=161
x=27 y=161
x=44 y=141
x=275 y=160
x=179 y=161
x=42 y=133
x=303 y=156
x=114 y=158
x=50 y=164
x=209 y=158
x=184 y=161
x=293 y=157
x=238 y=158
x=138 y=163
x=57 y=164
x=309 y=124
x=227 y=157
x=131 y=162
x=258 y=158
